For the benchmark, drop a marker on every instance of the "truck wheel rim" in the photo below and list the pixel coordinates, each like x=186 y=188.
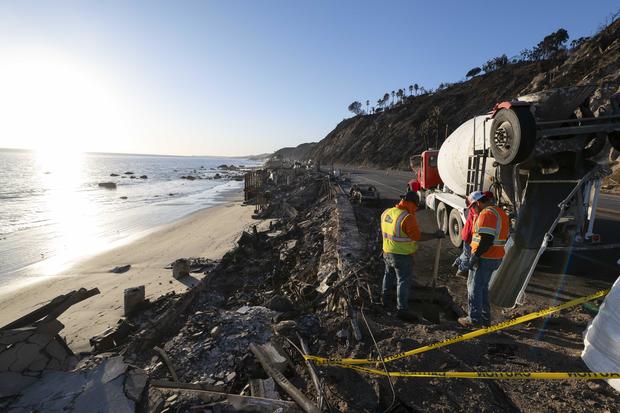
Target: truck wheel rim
x=503 y=138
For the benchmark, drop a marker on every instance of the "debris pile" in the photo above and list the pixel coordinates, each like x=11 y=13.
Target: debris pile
x=309 y=284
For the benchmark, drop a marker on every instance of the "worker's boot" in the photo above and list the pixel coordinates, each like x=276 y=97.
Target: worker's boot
x=465 y=321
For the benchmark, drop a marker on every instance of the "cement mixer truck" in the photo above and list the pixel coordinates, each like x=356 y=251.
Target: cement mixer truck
x=540 y=156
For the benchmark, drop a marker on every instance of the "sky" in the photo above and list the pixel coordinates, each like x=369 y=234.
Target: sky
x=240 y=77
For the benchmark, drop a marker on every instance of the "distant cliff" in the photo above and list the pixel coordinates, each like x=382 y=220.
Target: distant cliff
x=388 y=139
x=299 y=152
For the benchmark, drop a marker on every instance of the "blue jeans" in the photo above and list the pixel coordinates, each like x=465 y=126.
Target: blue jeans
x=478 y=290
x=462 y=261
x=397 y=268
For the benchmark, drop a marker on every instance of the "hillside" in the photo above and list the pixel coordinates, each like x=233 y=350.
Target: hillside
x=295 y=153
x=388 y=139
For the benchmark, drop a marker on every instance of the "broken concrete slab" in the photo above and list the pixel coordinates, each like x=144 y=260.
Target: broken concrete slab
x=111 y=386
x=135 y=384
x=113 y=368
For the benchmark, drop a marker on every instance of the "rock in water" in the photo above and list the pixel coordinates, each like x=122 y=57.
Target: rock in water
x=108 y=185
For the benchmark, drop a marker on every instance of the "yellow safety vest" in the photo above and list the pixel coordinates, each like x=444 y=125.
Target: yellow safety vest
x=395 y=241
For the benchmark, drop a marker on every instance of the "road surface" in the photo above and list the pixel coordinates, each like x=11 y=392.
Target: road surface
x=601 y=264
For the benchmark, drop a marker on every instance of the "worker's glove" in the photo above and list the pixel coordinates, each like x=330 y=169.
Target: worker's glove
x=440 y=234
x=474 y=260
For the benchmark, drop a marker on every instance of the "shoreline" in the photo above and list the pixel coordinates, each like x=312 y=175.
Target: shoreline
x=209 y=232
x=41 y=263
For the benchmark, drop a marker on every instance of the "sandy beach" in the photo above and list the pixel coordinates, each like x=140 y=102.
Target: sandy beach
x=206 y=233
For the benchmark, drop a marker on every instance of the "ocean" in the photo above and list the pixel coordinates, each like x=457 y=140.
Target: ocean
x=53 y=211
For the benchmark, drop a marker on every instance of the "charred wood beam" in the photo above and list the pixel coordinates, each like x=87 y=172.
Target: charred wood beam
x=313 y=374
x=303 y=402
x=164 y=357
x=53 y=309
x=238 y=402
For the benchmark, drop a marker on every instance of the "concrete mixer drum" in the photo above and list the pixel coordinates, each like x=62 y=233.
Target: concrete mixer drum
x=513 y=135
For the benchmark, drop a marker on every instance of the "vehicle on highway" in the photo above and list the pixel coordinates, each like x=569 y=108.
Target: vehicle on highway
x=366 y=194
x=540 y=161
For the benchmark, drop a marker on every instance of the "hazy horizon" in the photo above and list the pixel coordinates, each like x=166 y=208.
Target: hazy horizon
x=236 y=78
x=145 y=154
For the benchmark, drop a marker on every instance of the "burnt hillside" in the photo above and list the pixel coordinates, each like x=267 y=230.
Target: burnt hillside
x=387 y=139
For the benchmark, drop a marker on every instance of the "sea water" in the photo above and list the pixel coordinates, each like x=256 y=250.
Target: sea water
x=53 y=212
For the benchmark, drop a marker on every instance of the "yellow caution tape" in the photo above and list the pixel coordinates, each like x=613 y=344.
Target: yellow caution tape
x=457 y=339
x=496 y=375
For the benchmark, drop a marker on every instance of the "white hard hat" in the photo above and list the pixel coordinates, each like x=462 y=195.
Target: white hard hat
x=476 y=196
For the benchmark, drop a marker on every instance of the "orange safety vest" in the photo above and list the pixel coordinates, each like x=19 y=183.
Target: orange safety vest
x=492 y=220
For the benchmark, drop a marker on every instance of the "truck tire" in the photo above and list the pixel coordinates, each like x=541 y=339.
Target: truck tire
x=442 y=217
x=513 y=135
x=455 y=226
x=422 y=199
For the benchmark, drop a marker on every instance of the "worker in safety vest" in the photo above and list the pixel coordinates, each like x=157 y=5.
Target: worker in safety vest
x=491 y=230
x=401 y=233
x=467 y=233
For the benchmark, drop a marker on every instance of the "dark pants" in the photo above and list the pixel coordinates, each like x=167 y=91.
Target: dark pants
x=399 y=270
x=478 y=291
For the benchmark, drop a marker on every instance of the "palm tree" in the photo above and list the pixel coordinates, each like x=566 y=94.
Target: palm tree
x=410 y=90
x=367 y=104
x=416 y=87
x=393 y=94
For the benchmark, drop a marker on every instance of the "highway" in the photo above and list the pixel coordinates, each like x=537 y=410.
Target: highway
x=600 y=264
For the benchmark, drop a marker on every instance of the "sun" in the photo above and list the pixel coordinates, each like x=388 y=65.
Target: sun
x=54 y=103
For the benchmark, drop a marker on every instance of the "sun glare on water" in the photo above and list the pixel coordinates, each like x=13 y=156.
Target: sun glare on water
x=59 y=107
x=71 y=214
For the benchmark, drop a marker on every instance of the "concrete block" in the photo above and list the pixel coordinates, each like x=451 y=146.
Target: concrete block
x=134 y=298
x=180 y=268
